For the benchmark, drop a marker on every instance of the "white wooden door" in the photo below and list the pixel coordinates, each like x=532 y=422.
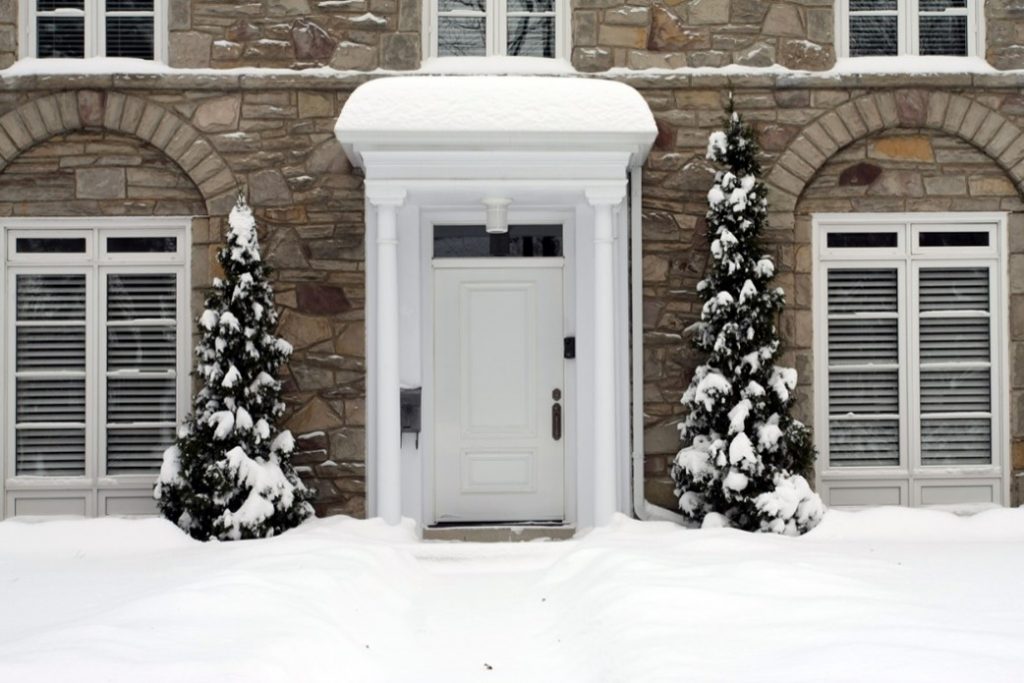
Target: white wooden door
x=499 y=446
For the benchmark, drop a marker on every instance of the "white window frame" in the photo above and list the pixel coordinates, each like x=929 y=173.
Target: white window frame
x=96 y=487
x=907 y=258
x=496 y=41
x=95 y=34
x=908 y=33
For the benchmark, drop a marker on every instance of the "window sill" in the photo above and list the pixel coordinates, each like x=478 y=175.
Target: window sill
x=911 y=64
x=496 y=66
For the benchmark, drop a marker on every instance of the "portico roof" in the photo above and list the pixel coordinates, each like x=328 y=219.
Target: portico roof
x=481 y=113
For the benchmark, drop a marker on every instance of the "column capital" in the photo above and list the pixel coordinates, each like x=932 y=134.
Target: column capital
x=385 y=195
x=606 y=195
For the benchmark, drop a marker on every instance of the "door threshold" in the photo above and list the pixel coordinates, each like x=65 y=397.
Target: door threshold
x=499 y=533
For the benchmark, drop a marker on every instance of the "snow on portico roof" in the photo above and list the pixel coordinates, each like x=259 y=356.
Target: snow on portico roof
x=483 y=112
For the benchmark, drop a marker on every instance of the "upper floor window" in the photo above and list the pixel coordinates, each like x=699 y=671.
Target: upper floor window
x=878 y=28
x=479 y=28
x=94 y=28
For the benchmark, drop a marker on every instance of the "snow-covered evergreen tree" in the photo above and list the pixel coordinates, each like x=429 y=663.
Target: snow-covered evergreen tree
x=229 y=474
x=745 y=453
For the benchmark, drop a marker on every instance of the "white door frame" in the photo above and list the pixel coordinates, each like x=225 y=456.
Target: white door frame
x=428 y=219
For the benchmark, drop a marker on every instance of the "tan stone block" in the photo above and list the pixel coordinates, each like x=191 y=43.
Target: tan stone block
x=313 y=104
x=708 y=12
x=937 y=103
x=869 y=112
x=989 y=127
x=783 y=20
x=1018 y=455
x=315 y=416
x=622 y=36
x=100 y=183
x=352 y=341
x=973 y=119
x=699 y=99
x=902 y=148
x=218 y=114
x=49 y=111
x=304 y=330
x=655 y=268
x=987 y=186
x=946 y=185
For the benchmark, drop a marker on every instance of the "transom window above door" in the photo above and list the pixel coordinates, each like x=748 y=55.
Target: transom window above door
x=482 y=28
x=94 y=28
x=882 y=28
x=520 y=241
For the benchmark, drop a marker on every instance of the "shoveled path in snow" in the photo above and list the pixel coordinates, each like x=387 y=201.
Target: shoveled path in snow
x=881 y=595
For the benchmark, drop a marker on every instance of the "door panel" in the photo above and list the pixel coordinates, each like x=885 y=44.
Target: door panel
x=497 y=360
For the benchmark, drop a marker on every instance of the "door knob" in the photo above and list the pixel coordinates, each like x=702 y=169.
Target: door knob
x=556 y=421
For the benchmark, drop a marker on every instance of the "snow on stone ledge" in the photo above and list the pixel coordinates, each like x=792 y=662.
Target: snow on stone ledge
x=498 y=105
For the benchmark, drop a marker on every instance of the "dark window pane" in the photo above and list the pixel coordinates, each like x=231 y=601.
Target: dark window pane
x=461 y=37
x=953 y=239
x=60 y=37
x=51 y=5
x=940 y=5
x=129 y=5
x=130 y=37
x=873 y=35
x=531 y=6
x=142 y=245
x=873 y=5
x=461 y=6
x=531 y=36
x=50 y=245
x=861 y=240
x=944 y=35
x=521 y=241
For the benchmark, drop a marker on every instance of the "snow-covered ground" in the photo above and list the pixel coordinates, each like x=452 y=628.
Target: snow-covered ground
x=881 y=595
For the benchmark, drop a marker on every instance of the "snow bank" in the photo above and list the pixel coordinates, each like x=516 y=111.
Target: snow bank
x=881 y=595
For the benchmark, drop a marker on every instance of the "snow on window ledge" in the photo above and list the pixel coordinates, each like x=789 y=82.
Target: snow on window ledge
x=482 y=66
x=913 y=64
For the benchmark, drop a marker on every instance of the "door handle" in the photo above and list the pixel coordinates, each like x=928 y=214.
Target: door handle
x=556 y=421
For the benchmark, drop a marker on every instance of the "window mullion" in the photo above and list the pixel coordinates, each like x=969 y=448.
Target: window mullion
x=95 y=36
x=911 y=393
x=497 y=43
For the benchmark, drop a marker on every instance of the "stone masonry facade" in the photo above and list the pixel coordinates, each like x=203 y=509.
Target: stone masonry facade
x=186 y=143
x=364 y=35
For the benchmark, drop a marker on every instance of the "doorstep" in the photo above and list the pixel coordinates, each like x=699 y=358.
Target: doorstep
x=499 y=533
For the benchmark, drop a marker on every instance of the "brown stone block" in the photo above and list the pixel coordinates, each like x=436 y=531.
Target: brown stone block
x=902 y=148
x=622 y=36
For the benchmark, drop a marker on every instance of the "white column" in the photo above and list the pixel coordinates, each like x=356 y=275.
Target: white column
x=604 y=200
x=387 y=437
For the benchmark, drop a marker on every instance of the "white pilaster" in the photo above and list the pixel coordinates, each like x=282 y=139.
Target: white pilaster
x=387 y=437
x=604 y=200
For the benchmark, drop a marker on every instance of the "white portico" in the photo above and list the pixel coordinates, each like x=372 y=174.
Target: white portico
x=498 y=285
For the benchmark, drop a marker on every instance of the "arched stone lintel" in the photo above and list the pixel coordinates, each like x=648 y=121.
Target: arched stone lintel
x=980 y=125
x=41 y=119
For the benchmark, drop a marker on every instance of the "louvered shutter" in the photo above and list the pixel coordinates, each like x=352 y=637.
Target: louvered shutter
x=874 y=27
x=954 y=346
x=50 y=374
x=863 y=367
x=140 y=372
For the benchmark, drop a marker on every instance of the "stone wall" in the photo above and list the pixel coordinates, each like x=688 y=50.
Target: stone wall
x=96 y=173
x=101 y=150
x=826 y=149
x=641 y=34
x=344 y=34
x=637 y=34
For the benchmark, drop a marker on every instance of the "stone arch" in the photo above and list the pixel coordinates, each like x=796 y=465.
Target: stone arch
x=42 y=118
x=980 y=125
